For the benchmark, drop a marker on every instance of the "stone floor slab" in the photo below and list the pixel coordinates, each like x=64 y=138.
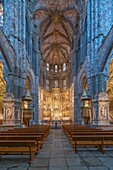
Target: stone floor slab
x=98 y=168
x=74 y=161
x=110 y=167
x=57 y=154
x=85 y=154
x=78 y=168
x=57 y=162
x=92 y=161
x=99 y=154
x=59 y=168
x=38 y=168
x=106 y=161
x=40 y=162
x=110 y=153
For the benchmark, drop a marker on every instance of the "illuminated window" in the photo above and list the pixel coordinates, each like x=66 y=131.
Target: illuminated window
x=56 y=83
x=1 y=14
x=56 y=68
x=47 y=84
x=64 y=85
x=47 y=66
x=64 y=66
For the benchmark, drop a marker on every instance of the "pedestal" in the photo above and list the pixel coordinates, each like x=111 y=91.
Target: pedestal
x=86 y=120
x=27 y=114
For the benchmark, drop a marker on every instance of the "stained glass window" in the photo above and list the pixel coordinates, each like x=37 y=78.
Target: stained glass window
x=47 y=66
x=56 y=83
x=56 y=68
x=1 y=14
x=64 y=66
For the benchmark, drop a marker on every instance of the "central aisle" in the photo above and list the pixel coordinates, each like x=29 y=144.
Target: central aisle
x=58 y=154
x=55 y=154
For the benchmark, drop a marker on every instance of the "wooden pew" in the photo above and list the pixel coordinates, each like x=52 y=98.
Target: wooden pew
x=39 y=136
x=81 y=135
x=33 y=130
x=29 y=139
x=88 y=132
x=99 y=140
x=14 y=144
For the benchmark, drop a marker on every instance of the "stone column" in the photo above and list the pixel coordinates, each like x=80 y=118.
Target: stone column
x=11 y=82
x=36 y=99
x=9 y=16
x=76 y=100
x=30 y=37
x=75 y=80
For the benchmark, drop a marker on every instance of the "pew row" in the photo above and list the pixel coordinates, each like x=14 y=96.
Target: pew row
x=81 y=135
x=93 y=140
x=23 y=140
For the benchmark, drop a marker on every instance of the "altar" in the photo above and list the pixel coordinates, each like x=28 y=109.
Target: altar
x=54 y=105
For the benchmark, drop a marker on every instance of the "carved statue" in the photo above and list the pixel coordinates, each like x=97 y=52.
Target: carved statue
x=103 y=113
x=103 y=104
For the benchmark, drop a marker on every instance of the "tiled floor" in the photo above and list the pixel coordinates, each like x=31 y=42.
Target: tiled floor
x=57 y=154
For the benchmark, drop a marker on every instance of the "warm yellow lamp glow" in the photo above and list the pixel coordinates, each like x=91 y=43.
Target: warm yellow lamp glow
x=26 y=104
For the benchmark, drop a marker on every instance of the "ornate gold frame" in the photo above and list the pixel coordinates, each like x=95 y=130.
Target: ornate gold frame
x=2 y=85
x=56 y=104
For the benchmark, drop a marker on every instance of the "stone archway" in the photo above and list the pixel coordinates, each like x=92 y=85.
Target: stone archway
x=27 y=83
x=7 y=51
x=30 y=80
x=82 y=84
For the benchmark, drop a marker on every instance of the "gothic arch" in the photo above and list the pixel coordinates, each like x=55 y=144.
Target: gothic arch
x=82 y=76
x=105 y=49
x=7 y=51
x=82 y=81
x=30 y=75
x=75 y=7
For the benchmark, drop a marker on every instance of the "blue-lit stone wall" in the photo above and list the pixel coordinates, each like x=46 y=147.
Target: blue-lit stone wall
x=99 y=32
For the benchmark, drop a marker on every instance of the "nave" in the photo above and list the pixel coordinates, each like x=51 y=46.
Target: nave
x=58 y=154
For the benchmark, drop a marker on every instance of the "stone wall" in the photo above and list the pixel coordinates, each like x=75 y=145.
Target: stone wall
x=99 y=47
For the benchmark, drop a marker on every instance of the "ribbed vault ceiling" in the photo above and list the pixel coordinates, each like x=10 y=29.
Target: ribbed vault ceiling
x=57 y=22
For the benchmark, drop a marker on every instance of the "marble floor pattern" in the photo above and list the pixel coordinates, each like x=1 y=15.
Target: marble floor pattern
x=58 y=154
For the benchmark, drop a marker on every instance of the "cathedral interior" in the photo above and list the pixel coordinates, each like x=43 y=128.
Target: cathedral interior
x=56 y=61
x=56 y=84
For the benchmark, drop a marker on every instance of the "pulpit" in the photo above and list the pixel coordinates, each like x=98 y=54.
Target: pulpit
x=27 y=112
x=86 y=108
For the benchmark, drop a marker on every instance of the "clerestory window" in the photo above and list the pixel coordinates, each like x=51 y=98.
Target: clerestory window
x=64 y=67
x=1 y=14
